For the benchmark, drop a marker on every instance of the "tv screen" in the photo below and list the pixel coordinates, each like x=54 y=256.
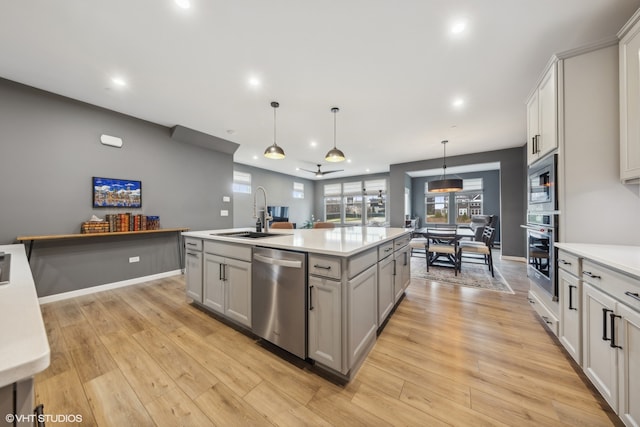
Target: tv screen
x=116 y=193
x=279 y=213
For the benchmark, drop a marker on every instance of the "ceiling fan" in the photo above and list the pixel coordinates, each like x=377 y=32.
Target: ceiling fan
x=319 y=173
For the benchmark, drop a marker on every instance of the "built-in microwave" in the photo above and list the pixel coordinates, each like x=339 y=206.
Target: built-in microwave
x=542 y=185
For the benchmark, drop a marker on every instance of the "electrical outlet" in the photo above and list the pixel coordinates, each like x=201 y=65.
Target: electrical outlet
x=134 y=259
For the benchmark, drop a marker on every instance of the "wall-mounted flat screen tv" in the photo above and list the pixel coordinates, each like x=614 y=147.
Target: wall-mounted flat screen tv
x=279 y=213
x=116 y=193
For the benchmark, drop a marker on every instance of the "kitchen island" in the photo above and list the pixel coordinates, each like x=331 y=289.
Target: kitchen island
x=354 y=278
x=25 y=348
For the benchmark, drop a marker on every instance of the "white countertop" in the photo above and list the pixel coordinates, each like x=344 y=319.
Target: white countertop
x=340 y=241
x=24 y=348
x=625 y=259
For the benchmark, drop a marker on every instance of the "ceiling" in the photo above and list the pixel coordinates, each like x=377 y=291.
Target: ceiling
x=394 y=68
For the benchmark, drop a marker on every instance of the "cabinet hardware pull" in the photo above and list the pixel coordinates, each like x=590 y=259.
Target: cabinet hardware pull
x=613 y=330
x=394 y=267
x=571 y=288
x=311 y=298
x=388 y=249
x=537 y=143
x=531 y=301
x=633 y=295
x=192 y=244
x=192 y=254
x=406 y=261
x=564 y=262
x=327 y=267
x=220 y=271
x=604 y=324
x=546 y=320
x=533 y=145
x=590 y=274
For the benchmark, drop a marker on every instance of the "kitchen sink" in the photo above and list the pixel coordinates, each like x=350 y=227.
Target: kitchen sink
x=5 y=268
x=247 y=234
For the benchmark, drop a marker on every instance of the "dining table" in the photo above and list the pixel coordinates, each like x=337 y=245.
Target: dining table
x=431 y=232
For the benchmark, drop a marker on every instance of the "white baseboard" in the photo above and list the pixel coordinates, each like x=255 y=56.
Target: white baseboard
x=106 y=287
x=513 y=258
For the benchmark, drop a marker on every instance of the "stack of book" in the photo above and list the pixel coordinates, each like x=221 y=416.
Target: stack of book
x=94 y=227
x=130 y=222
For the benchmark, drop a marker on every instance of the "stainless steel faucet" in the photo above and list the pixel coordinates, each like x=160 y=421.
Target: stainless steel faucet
x=267 y=216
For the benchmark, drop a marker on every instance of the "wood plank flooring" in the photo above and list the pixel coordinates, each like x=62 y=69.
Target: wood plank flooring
x=143 y=356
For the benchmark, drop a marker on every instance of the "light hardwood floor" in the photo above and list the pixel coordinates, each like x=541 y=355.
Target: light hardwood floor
x=142 y=355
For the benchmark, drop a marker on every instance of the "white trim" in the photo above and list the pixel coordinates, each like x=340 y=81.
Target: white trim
x=513 y=258
x=106 y=287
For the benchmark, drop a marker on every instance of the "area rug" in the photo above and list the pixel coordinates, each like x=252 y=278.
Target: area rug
x=472 y=275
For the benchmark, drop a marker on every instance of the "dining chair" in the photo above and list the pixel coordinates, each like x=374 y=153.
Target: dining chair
x=479 y=248
x=323 y=225
x=282 y=225
x=418 y=241
x=442 y=243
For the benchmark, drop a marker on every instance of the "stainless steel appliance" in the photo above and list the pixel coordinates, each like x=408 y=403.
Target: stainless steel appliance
x=541 y=266
x=279 y=298
x=542 y=224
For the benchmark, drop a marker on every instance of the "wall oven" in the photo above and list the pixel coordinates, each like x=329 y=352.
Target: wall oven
x=542 y=224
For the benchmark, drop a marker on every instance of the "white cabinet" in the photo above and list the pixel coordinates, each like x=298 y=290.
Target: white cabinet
x=402 y=271
x=629 y=57
x=363 y=313
x=542 y=116
x=325 y=322
x=570 y=301
x=194 y=269
x=386 y=295
x=612 y=338
x=227 y=282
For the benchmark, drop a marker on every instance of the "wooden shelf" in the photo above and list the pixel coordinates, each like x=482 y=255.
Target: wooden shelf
x=80 y=235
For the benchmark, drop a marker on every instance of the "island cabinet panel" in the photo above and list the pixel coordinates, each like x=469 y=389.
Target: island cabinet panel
x=193 y=269
x=213 y=283
x=402 y=273
x=358 y=263
x=325 y=322
x=363 y=313
x=237 y=277
x=386 y=295
x=570 y=289
x=325 y=266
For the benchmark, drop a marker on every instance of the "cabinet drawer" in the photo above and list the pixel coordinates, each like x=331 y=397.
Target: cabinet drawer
x=228 y=250
x=360 y=262
x=325 y=266
x=193 y=244
x=401 y=242
x=613 y=283
x=385 y=249
x=569 y=262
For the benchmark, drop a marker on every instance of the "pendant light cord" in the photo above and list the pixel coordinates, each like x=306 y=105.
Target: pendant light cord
x=274 y=126
x=334 y=129
x=444 y=159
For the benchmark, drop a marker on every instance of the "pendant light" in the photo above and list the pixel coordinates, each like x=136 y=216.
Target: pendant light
x=274 y=151
x=334 y=155
x=444 y=185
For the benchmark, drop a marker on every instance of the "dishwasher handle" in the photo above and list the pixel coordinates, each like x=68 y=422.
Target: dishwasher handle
x=279 y=262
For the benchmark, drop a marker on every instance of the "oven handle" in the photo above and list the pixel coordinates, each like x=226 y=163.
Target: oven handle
x=537 y=228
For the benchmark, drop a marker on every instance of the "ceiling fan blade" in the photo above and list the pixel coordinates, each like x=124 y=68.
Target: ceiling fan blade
x=307 y=170
x=337 y=170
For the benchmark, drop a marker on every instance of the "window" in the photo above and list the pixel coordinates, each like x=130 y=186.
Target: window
x=241 y=182
x=332 y=198
x=376 y=201
x=298 y=190
x=437 y=208
x=352 y=193
x=469 y=200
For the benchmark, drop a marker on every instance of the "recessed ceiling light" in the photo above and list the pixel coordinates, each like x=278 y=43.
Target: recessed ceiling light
x=458 y=27
x=348 y=160
x=458 y=102
x=119 y=81
x=367 y=170
x=184 y=4
x=254 y=82
x=255 y=157
x=313 y=143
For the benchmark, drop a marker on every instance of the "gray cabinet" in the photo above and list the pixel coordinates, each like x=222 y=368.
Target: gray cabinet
x=325 y=322
x=363 y=313
x=402 y=271
x=193 y=269
x=386 y=295
x=227 y=281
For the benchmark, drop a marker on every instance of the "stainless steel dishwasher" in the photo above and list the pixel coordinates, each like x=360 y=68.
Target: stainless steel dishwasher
x=279 y=298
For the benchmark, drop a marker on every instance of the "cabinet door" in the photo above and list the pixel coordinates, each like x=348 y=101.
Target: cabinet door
x=193 y=275
x=402 y=272
x=385 y=288
x=532 y=127
x=630 y=105
x=600 y=360
x=548 y=106
x=325 y=322
x=213 y=282
x=363 y=313
x=237 y=276
x=569 y=287
x=629 y=365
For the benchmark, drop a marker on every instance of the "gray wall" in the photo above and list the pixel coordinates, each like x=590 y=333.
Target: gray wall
x=490 y=202
x=50 y=149
x=513 y=169
x=279 y=193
